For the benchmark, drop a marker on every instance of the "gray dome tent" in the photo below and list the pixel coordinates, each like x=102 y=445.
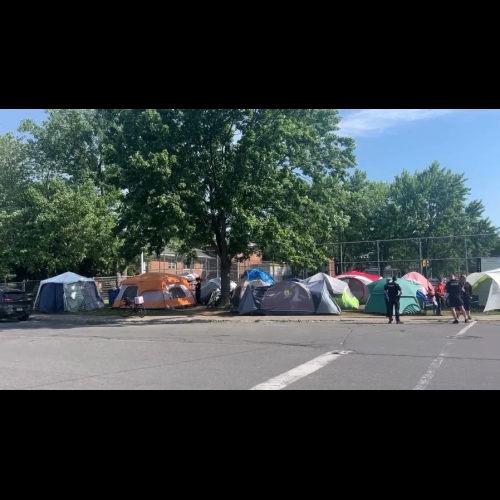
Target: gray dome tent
x=211 y=286
x=289 y=298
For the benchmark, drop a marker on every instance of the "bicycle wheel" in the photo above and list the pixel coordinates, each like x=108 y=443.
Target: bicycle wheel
x=140 y=310
x=125 y=311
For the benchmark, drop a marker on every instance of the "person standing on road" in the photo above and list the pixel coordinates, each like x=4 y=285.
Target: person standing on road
x=394 y=292
x=440 y=293
x=386 y=295
x=467 y=295
x=455 y=290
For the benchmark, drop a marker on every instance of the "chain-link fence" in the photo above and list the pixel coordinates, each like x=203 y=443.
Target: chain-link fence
x=433 y=257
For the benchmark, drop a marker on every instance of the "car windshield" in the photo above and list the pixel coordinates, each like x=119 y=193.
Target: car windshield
x=14 y=296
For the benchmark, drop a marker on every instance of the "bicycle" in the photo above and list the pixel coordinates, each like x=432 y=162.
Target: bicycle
x=129 y=307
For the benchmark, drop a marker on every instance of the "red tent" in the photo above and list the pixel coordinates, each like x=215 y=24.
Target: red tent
x=371 y=277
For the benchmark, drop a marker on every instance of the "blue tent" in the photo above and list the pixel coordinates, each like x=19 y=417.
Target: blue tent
x=257 y=274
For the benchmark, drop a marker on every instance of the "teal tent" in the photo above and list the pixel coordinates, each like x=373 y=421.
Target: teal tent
x=409 y=303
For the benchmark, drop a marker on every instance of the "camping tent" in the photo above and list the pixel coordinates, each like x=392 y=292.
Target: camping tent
x=289 y=298
x=160 y=291
x=377 y=304
x=254 y=278
x=339 y=290
x=358 y=283
x=368 y=278
x=487 y=287
x=424 y=285
x=209 y=287
x=68 y=292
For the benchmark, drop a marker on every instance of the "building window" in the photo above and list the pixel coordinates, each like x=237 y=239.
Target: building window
x=171 y=264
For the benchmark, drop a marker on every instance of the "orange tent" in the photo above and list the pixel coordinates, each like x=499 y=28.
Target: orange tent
x=160 y=291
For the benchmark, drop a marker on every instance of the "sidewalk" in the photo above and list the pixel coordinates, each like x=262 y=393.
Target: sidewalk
x=182 y=319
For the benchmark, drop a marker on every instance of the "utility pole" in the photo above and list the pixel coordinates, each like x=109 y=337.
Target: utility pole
x=143 y=270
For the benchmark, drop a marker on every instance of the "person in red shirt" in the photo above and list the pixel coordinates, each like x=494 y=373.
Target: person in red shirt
x=440 y=293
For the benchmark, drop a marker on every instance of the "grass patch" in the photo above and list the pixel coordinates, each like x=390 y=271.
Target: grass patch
x=151 y=313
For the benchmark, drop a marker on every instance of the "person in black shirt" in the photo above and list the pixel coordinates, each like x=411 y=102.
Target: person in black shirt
x=455 y=290
x=394 y=292
x=387 y=303
x=198 y=291
x=467 y=295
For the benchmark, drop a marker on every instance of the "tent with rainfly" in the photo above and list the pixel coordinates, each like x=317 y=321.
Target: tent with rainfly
x=209 y=287
x=68 y=292
x=358 y=283
x=487 y=287
x=289 y=298
x=160 y=291
x=377 y=302
x=339 y=290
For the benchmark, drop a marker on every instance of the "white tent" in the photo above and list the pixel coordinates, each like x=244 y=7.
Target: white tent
x=68 y=292
x=338 y=289
x=487 y=287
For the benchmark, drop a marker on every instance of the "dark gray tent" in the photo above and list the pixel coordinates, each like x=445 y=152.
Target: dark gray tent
x=289 y=299
x=211 y=286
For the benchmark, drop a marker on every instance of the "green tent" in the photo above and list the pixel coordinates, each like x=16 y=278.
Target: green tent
x=377 y=305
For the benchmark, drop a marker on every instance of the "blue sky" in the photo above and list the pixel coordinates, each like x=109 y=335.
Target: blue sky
x=390 y=140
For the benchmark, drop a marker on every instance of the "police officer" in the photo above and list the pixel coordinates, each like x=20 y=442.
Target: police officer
x=455 y=290
x=394 y=292
x=389 y=311
x=466 y=295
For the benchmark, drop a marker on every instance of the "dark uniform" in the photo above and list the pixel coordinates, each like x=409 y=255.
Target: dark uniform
x=198 y=292
x=394 y=291
x=467 y=296
x=455 y=290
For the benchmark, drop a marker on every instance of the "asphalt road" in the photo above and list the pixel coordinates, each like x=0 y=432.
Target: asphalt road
x=259 y=356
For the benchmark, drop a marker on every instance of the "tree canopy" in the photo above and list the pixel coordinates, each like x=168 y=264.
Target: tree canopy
x=228 y=178
x=88 y=190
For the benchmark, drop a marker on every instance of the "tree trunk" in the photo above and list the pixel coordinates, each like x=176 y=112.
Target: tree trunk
x=226 y=264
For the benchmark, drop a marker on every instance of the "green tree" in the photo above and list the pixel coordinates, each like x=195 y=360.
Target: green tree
x=433 y=204
x=69 y=198
x=14 y=177
x=227 y=178
x=60 y=227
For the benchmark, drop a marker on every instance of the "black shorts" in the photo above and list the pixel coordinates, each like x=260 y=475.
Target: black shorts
x=456 y=302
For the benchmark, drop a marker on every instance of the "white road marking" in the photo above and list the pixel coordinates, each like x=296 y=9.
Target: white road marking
x=426 y=379
x=288 y=378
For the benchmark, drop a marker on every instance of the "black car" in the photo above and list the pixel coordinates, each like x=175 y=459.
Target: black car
x=15 y=304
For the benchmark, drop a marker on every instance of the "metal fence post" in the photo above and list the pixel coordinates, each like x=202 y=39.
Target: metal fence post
x=466 y=257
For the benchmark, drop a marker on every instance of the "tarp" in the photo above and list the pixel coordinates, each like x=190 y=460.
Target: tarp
x=160 y=291
x=68 y=292
x=338 y=289
x=487 y=287
x=254 y=278
x=409 y=303
x=424 y=285
x=289 y=299
x=258 y=274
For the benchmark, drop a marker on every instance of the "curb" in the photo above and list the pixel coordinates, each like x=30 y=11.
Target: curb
x=187 y=321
